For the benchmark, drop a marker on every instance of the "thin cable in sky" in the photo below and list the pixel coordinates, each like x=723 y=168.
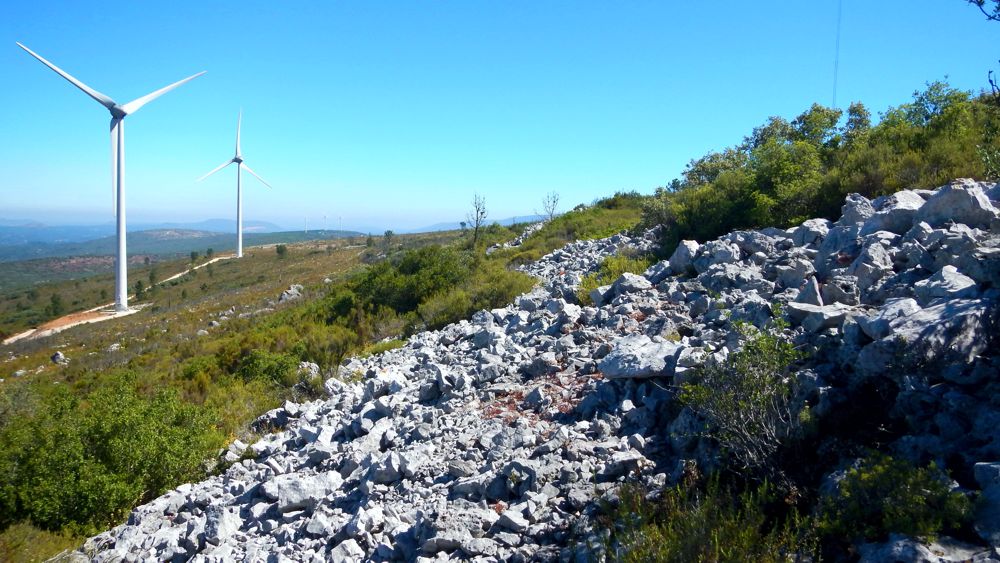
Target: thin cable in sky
x=836 y=53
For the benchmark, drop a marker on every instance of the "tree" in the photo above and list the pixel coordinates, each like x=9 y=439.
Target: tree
x=282 y=250
x=859 y=121
x=549 y=204
x=477 y=216
x=387 y=239
x=989 y=8
x=370 y=241
x=139 y=287
x=194 y=255
x=210 y=252
x=55 y=307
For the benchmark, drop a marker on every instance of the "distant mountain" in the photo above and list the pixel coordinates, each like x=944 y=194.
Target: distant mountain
x=215 y=225
x=32 y=232
x=159 y=241
x=19 y=223
x=458 y=225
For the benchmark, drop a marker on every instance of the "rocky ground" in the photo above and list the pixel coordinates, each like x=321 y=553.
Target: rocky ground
x=494 y=438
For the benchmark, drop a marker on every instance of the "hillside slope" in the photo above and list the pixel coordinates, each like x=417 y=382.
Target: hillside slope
x=496 y=437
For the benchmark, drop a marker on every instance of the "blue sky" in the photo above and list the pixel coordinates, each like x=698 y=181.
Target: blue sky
x=393 y=114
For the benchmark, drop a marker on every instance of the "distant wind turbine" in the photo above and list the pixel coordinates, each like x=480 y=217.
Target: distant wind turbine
x=118 y=113
x=238 y=159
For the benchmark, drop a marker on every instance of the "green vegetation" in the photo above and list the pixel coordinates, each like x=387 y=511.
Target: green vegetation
x=785 y=172
x=82 y=462
x=610 y=270
x=78 y=442
x=605 y=217
x=881 y=495
x=747 y=400
x=23 y=543
x=77 y=451
x=736 y=521
x=710 y=523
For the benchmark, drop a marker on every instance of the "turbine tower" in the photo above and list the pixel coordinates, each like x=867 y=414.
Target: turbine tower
x=238 y=160
x=118 y=113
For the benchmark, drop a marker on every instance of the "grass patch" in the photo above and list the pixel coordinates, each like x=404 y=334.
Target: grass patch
x=24 y=543
x=610 y=270
x=606 y=217
x=379 y=347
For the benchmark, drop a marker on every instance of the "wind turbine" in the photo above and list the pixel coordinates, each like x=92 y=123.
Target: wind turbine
x=238 y=159
x=118 y=113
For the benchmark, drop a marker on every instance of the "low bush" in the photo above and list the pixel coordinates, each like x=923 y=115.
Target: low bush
x=747 y=400
x=882 y=495
x=276 y=368
x=716 y=524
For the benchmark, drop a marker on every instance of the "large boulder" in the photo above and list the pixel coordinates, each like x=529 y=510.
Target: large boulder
x=895 y=213
x=988 y=508
x=949 y=333
x=947 y=283
x=962 y=201
x=630 y=283
x=680 y=260
x=856 y=209
x=638 y=356
x=811 y=232
x=716 y=252
x=839 y=248
x=815 y=318
x=871 y=265
x=298 y=492
x=879 y=324
x=901 y=548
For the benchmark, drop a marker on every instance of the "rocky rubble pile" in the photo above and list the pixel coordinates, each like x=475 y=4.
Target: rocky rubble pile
x=493 y=438
x=519 y=239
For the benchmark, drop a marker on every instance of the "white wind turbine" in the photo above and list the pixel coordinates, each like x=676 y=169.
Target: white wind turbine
x=118 y=113
x=238 y=160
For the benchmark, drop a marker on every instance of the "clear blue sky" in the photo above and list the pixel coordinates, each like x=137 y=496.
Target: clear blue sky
x=392 y=114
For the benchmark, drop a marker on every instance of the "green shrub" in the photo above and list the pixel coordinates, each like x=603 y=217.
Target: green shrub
x=882 y=495
x=326 y=345
x=747 y=400
x=443 y=308
x=717 y=524
x=261 y=365
x=82 y=464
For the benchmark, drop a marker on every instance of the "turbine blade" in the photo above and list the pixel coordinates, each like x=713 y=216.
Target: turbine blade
x=247 y=168
x=137 y=103
x=238 y=122
x=216 y=169
x=101 y=98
